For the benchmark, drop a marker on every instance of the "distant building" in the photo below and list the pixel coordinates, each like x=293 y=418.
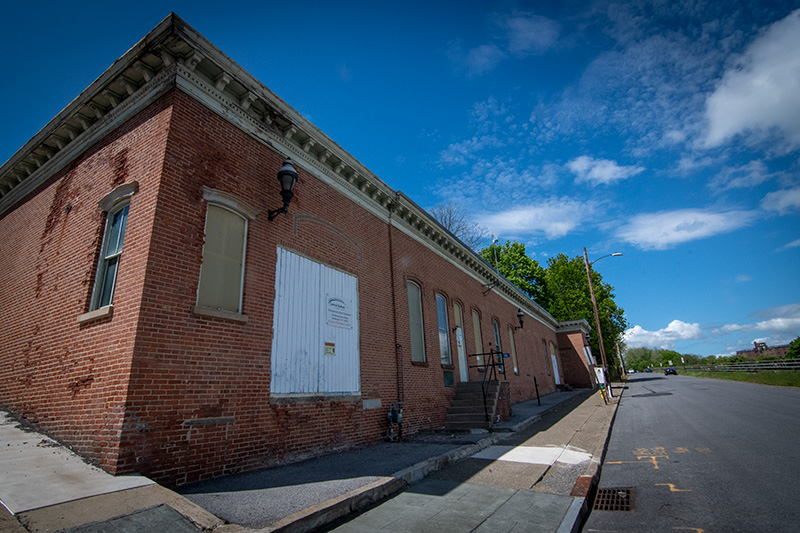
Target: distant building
x=157 y=318
x=760 y=349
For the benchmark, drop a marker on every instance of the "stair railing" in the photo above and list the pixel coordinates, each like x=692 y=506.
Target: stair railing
x=491 y=369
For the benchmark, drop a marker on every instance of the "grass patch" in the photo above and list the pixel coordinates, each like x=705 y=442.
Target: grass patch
x=781 y=378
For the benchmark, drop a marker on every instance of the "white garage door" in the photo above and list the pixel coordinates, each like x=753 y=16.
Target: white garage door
x=315 y=328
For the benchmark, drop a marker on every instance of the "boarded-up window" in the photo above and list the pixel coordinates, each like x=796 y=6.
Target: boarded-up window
x=315 y=342
x=444 y=330
x=415 y=322
x=222 y=272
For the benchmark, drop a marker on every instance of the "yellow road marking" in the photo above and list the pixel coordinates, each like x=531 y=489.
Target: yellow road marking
x=672 y=487
x=697 y=529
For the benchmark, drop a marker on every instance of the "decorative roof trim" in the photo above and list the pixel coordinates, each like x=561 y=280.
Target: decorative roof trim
x=175 y=55
x=569 y=326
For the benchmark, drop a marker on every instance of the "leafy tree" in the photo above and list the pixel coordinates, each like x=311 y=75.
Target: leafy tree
x=563 y=290
x=516 y=265
x=639 y=358
x=569 y=298
x=455 y=219
x=794 y=349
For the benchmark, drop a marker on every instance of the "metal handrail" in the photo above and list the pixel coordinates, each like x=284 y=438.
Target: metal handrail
x=490 y=369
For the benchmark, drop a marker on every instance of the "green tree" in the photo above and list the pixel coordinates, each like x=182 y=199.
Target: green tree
x=516 y=265
x=666 y=356
x=639 y=358
x=569 y=298
x=794 y=349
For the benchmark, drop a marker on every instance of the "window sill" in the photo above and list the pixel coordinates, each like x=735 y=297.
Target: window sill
x=302 y=398
x=219 y=313
x=448 y=367
x=97 y=314
x=419 y=363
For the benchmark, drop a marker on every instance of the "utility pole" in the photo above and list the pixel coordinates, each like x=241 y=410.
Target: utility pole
x=596 y=314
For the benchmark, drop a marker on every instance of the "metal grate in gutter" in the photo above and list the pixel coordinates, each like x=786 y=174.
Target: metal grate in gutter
x=615 y=499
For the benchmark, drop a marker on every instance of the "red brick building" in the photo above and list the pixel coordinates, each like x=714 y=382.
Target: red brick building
x=155 y=319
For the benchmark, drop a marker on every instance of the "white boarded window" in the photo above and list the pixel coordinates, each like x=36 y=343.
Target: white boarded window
x=415 y=322
x=315 y=341
x=222 y=271
x=444 y=330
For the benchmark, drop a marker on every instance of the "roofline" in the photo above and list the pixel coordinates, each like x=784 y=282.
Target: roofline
x=175 y=55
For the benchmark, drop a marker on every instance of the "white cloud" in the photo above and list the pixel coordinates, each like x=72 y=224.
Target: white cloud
x=460 y=152
x=598 y=171
x=793 y=244
x=759 y=93
x=746 y=176
x=782 y=201
x=529 y=34
x=667 y=229
x=743 y=278
x=554 y=218
x=775 y=321
x=677 y=330
x=482 y=59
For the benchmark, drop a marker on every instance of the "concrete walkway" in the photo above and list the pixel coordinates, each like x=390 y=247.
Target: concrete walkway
x=51 y=489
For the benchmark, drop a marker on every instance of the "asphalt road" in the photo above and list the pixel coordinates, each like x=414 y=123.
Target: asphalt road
x=703 y=455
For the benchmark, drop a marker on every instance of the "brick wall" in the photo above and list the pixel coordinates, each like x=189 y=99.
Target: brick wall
x=68 y=379
x=573 y=360
x=178 y=396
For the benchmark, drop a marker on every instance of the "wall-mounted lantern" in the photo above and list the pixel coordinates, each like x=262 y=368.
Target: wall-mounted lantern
x=287 y=176
x=520 y=316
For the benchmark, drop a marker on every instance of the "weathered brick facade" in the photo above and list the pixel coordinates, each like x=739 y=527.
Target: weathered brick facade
x=151 y=384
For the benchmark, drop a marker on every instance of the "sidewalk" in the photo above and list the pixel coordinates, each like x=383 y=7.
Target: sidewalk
x=66 y=494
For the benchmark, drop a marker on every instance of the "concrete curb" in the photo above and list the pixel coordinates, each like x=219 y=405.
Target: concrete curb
x=586 y=484
x=359 y=499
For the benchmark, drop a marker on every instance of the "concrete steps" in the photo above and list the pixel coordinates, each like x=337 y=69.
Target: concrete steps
x=466 y=408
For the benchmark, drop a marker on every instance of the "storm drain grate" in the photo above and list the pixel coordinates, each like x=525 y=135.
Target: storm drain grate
x=615 y=499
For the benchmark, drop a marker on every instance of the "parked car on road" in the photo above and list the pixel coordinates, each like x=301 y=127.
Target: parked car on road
x=668 y=371
x=648 y=369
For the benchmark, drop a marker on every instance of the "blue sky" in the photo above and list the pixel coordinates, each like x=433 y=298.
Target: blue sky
x=668 y=131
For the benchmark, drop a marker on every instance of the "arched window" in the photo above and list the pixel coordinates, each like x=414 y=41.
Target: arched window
x=498 y=345
x=513 y=349
x=222 y=272
x=415 y=322
x=546 y=357
x=117 y=205
x=110 y=255
x=476 y=329
x=444 y=330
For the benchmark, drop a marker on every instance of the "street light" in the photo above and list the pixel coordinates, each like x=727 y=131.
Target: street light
x=594 y=303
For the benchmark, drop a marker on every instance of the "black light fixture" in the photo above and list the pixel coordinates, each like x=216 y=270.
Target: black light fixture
x=287 y=176
x=520 y=316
